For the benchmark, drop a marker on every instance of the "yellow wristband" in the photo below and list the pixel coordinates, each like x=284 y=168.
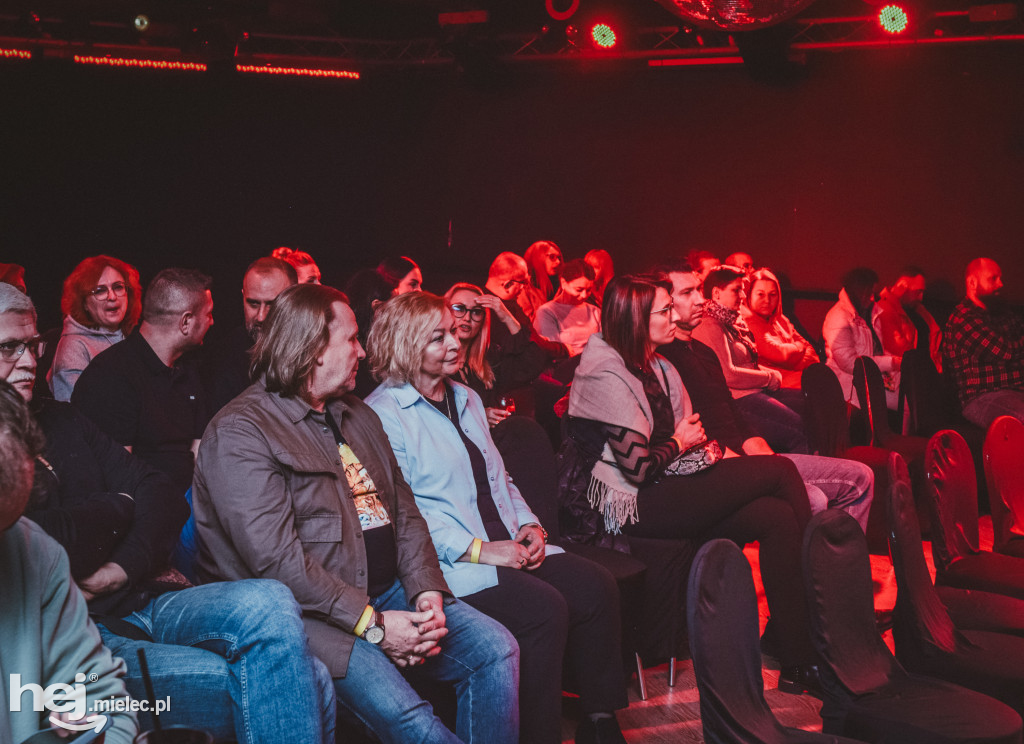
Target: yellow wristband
x=474 y=552
x=364 y=620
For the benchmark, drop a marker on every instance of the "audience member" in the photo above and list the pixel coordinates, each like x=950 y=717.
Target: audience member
x=296 y=481
x=741 y=261
x=901 y=320
x=226 y=362
x=983 y=348
x=402 y=273
x=367 y=290
x=848 y=334
x=569 y=319
x=102 y=301
x=601 y=262
x=544 y=261
x=779 y=345
x=831 y=482
x=473 y=312
x=702 y=262
x=649 y=470
x=242 y=643
x=772 y=412
x=13 y=274
x=48 y=636
x=305 y=267
x=490 y=545
x=142 y=392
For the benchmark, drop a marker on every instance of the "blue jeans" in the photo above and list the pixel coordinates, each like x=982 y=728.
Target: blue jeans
x=776 y=416
x=478 y=655
x=987 y=407
x=234 y=659
x=835 y=483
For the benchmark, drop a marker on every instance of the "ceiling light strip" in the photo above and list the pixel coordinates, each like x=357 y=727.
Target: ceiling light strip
x=694 y=61
x=301 y=71
x=15 y=54
x=153 y=64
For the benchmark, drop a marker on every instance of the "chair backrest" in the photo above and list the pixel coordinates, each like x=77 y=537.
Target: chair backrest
x=837 y=579
x=530 y=462
x=867 y=381
x=923 y=404
x=952 y=498
x=721 y=613
x=923 y=625
x=828 y=430
x=1003 y=455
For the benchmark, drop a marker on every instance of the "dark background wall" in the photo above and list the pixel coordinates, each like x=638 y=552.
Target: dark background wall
x=876 y=158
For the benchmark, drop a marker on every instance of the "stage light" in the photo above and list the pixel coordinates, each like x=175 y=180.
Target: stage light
x=893 y=19
x=141 y=23
x=299 y=71
x=153 y=64
x=603 y=36
x=15 y=54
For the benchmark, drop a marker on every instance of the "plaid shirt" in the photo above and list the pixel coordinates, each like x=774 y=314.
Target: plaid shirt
x=983 y=352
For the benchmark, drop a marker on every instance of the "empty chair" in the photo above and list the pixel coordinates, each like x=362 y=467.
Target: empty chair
x=869 y=695
x=721 y=613
x=953 y=502
x=969 y=609
x=1004 y=473
x=927 y=639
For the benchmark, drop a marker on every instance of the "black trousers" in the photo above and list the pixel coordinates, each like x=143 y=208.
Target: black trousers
x=743 y=499
x=568 y=607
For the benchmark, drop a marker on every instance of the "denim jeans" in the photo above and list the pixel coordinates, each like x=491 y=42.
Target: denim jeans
x=835 y=483
x=234 y=659
x=776 y=417
x=987 y=407
x=478 y=655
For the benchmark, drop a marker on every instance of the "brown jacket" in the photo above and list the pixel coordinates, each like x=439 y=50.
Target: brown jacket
x=271 y=501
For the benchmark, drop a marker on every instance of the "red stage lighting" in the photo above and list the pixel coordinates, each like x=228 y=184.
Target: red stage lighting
x=153 y=64
x=603 y=36
x=15 y=54
x=893 y=19
x=300 y=71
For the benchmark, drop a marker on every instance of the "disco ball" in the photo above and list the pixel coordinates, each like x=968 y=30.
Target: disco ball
x=735 y=15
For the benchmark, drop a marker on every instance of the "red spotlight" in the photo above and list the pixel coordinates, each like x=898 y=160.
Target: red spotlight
x=603 y=36
x=893 y=19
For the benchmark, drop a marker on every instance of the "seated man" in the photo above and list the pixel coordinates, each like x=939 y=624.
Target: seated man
x=226 y=358
x=145 y=392
x=983 y=348
x=233 y=657
x=901 y=320
x=773 y=412
x=296 y=481
x=831 y=482
x=48 y=636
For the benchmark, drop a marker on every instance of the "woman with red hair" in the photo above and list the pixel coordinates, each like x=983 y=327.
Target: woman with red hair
x=101 y=302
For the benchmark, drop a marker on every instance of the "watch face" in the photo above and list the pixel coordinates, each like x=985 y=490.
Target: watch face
x=374 y=634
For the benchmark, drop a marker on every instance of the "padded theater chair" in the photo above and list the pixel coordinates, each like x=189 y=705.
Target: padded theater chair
x=927 y=639
x=1004 y=472
x=953 y=504
x=969 y=609
x=721 y=613
x=869 y=695
x=828 y=431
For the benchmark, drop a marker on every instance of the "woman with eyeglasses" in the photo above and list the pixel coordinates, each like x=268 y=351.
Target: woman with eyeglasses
x=569 y=319
x=101 y=302
x=480 y=364
x=491 y=546
x=637 y=461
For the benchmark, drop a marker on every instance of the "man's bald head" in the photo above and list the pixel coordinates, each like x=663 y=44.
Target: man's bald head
x=508 y=275
x=983 y=281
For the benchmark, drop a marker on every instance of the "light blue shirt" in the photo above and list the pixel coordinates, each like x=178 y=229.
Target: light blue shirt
x=436 y=466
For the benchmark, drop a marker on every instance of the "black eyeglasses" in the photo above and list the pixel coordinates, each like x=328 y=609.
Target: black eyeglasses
x=459 y=311
x=14 y=349
x=118 y=288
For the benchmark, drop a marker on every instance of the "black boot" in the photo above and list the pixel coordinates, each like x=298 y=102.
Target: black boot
x=599 y=731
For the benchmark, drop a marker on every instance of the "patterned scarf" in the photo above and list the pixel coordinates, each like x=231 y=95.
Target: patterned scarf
x=732 y=319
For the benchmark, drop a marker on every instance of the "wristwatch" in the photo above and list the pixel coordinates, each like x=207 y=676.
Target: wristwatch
x=374 y=632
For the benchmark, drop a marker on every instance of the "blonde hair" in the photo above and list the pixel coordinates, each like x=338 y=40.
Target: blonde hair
x=476 y=355
x=401 y=329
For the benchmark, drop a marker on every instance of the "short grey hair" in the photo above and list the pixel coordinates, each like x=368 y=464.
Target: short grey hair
x=13 y=300
x=173 y=292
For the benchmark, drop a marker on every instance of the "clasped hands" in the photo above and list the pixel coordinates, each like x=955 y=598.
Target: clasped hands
x=410 y=638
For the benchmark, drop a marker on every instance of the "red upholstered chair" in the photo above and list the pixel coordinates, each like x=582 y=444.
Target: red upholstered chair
x=953 y=501
x=1004 y=473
